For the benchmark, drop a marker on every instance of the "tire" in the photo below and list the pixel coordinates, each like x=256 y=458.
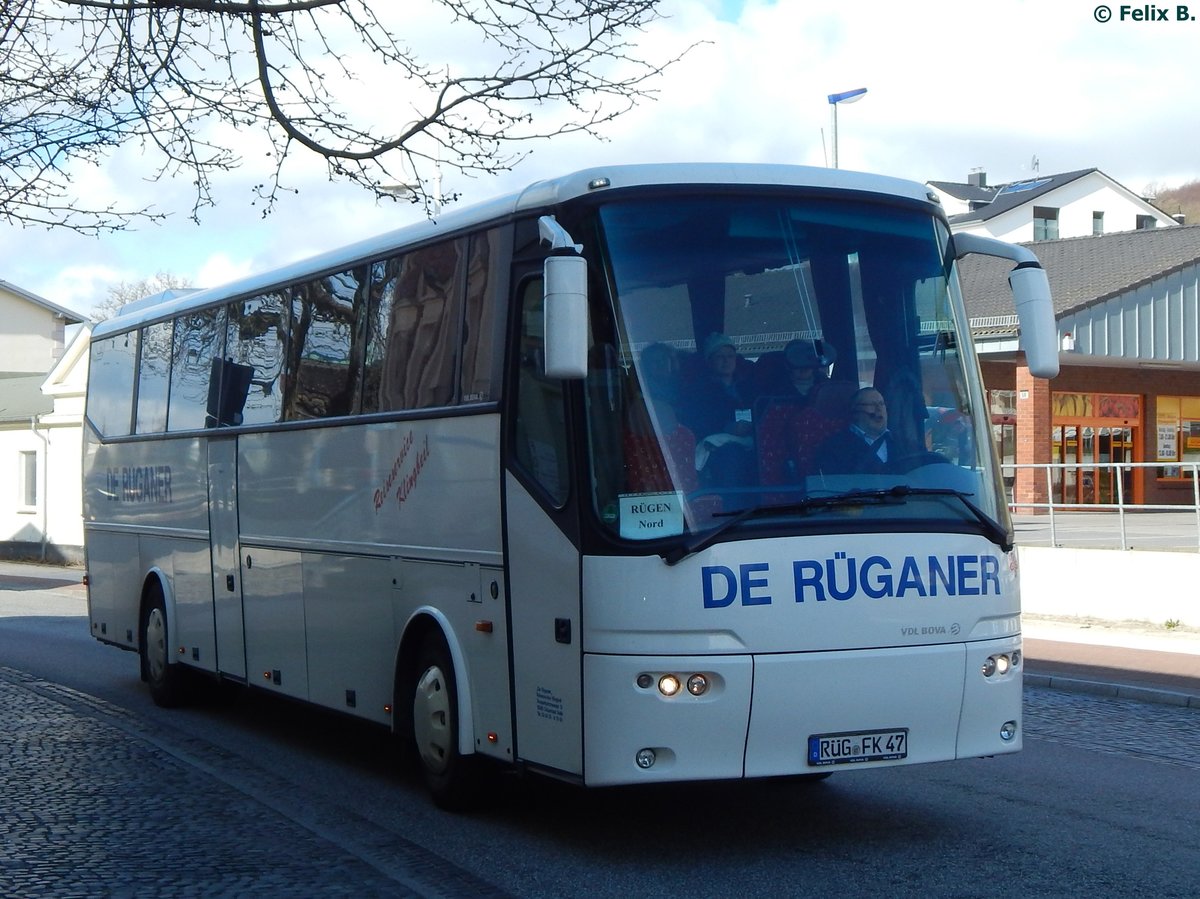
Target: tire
x=451 y=777
x=166 y=681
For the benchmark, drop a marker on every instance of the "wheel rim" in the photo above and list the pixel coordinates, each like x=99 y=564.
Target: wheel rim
x=432 y=725
x=156 y=644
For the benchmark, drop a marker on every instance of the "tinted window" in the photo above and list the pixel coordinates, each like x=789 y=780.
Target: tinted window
x=198 y=340
x=480 y=379
x=328 y=333
x=257 y=341
x=541 y=426
x=110 y=384
x=419 y=307
x=154 y=378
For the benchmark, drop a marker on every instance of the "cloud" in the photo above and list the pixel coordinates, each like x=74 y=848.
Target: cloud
x=952 y=86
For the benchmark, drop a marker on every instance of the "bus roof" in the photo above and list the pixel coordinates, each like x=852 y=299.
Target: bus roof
x=539 y=195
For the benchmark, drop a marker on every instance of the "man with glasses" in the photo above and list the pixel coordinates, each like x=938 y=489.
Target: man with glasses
x=866 y=446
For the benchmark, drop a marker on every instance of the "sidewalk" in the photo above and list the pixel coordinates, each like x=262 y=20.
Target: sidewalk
x=1127 y=659
x=1121 y=659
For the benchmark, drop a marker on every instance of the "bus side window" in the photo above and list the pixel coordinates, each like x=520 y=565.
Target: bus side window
x=541 y=428
x=257 y=329
x=325 y=353
x=421 y=301
x=110 y=394
x=480 y=340
x=198 y=340
x=154 y=377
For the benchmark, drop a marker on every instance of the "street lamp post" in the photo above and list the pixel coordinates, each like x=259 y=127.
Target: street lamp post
x=834 y=100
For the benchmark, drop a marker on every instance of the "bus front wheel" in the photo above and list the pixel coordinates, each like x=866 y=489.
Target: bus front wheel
x=165 y=680
x=450 y=775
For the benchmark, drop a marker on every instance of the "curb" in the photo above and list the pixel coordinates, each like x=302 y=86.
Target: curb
x=1112 y=690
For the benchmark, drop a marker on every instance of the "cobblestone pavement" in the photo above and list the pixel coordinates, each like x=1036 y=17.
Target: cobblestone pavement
x=96 y=802
x=1162 y=733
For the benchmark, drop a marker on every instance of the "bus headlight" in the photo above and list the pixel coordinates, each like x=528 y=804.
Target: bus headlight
x=668 y=685
x=1000 y=664
x=697 y=684
x=1008 y=730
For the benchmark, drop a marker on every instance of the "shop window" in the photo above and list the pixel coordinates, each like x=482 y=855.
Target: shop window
x=1177 y=436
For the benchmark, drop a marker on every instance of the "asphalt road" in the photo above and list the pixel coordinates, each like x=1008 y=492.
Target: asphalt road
x=246 y=795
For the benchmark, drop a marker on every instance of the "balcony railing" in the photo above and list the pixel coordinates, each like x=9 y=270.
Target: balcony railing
x=1117 y=519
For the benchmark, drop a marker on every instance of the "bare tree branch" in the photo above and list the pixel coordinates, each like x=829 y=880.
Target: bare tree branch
x=81 y=78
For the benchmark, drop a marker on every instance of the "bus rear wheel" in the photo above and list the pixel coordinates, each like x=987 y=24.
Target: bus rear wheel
x=452 y=777
x=165 y=680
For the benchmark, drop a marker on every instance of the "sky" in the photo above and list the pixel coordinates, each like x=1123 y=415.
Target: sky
x=1010 y=87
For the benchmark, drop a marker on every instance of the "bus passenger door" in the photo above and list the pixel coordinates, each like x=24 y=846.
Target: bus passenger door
x=226 y=568
x=543 y=564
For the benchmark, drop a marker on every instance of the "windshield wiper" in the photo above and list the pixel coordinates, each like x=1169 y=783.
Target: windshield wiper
x=702 y=541
x=994 y=529
x=897 y=494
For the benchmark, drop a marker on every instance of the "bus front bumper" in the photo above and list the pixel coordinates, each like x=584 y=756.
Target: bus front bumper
x=650 y=719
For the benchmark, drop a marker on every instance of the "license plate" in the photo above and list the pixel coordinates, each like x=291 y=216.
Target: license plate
x=858 y=746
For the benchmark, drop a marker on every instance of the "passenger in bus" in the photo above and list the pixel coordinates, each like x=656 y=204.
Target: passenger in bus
x=808 y=364
x=797 y=409
x=718 y=411
x=866 y=446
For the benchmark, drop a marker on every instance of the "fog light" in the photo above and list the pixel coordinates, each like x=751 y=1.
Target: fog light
x=668 y=685
x=1008 y=730
x=1016 y=659
x=1002 y=664
x=989 y=667
x=645 y=758
x=644 y=681
x=697 y=684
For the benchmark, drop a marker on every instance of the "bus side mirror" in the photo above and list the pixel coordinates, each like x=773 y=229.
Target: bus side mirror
x=565 y=315
x=1039 y=336
x=1031 y=295
x=228 y=387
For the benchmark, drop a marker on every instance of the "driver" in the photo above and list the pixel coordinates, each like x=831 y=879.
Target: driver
x=866 y=446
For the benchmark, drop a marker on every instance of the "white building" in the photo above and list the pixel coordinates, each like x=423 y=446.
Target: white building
x=1073 y=204
x=42 y=387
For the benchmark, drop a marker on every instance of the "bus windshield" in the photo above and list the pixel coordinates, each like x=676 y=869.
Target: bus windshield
x=785 y=358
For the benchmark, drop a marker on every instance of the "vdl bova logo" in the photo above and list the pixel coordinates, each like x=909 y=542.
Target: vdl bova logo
x=843 y=577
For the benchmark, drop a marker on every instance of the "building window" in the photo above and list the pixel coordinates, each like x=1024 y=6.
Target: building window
x=1097 y=223
x=27 y=480
x=1045 y=223
x=1146 y=222
x=1177 y=437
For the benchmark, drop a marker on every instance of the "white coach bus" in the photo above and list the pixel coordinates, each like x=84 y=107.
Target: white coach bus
x=557 y=482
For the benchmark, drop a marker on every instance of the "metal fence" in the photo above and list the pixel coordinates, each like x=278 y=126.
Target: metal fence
x=1101 y=523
